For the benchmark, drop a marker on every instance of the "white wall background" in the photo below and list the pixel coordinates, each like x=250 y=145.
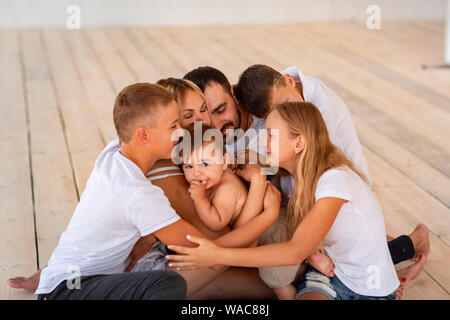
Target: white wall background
x=41 y=13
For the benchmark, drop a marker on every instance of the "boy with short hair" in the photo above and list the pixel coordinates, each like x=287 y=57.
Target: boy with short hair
x=117 y=207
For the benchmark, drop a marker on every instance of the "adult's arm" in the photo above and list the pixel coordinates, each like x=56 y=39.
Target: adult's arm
x=306 y=238
x=175 y=233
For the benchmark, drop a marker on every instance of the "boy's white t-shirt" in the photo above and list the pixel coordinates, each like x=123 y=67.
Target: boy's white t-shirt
x=118 y=206
x=356 y=241
x=337 y=119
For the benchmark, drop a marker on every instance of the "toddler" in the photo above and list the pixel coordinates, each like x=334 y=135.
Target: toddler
x=219 y=195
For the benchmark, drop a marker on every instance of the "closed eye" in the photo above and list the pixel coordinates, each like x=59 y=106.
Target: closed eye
x=221 y=108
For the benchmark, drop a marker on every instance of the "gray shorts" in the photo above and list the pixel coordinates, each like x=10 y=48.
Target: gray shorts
x=155 y=259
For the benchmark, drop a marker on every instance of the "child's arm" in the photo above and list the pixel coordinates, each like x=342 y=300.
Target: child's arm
x=215 y=215
x=176 y=190
x=254 y=203
x=306 y=238
x=175 y=233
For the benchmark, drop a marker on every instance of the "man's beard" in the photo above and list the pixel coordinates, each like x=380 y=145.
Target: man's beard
x=230 y=124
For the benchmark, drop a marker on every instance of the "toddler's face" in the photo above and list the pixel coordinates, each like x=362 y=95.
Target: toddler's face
x=205 y=166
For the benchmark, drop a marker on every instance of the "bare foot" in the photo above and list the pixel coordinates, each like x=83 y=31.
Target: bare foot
x=30 y=283
x=399 y=293
x=410 y=273
x=421 y=240
x=321 y=262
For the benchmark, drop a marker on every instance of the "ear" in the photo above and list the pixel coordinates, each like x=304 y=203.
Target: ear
x=300 y=144
x=232 y=90
x=142 y=135
x=288 y=80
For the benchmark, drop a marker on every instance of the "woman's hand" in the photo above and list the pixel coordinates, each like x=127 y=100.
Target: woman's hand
x=203 y=256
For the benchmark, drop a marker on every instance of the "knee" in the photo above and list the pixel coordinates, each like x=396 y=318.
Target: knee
x=177 y=284
x=169 y=285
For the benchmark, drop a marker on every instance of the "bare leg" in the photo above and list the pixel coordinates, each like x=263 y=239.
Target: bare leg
x=285 y=293
x=313 y=296
x=30 y=283
x=235 y=283
x=199 y=278
x=421 y=240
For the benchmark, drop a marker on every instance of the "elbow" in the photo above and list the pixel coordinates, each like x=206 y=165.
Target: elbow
x=217 y=227
x=218 y=223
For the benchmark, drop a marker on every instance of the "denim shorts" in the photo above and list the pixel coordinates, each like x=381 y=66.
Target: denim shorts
x=315 y=281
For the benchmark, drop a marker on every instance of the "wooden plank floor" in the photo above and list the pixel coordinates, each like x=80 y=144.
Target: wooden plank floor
x=57 y=89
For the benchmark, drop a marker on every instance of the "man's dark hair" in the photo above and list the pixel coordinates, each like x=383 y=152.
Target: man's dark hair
x=254 y=88
x=204 y=76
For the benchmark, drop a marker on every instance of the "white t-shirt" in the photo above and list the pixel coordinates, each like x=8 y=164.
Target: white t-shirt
x=118 y=206
x=337 y=119
x=251 y=140
x=356 y=241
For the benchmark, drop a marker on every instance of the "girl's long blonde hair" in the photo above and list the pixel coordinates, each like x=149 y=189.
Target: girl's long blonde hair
x=318 y=156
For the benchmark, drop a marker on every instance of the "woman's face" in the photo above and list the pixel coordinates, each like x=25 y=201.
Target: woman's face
x=193 y=108
x=286 y=149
